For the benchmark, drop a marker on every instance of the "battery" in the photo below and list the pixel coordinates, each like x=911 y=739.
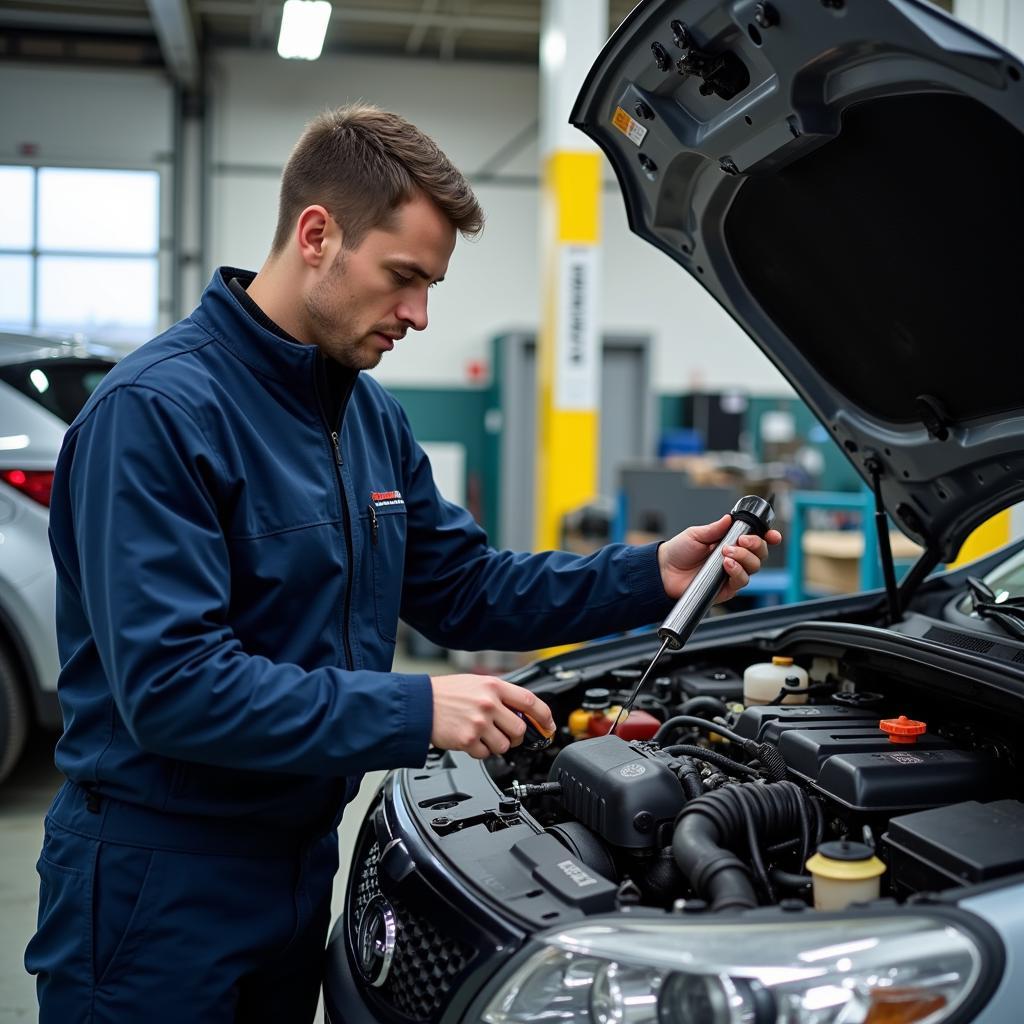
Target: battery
x=960 y=844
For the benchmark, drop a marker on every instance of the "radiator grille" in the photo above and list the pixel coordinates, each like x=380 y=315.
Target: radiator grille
x=427 y=961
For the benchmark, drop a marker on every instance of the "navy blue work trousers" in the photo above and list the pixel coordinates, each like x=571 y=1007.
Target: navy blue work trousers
x=130 y=932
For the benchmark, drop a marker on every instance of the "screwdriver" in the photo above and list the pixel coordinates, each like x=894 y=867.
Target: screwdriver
x=749 y=515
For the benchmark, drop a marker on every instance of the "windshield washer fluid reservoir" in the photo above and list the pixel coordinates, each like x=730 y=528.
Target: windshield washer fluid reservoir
x=763 y=681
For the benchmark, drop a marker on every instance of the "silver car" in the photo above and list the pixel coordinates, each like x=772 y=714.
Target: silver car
x=43 y=385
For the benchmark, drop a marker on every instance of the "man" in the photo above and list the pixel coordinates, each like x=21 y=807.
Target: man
x=238 y=519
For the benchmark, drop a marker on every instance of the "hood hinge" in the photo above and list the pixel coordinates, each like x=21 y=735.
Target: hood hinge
x=934 y=416
x=873 y=464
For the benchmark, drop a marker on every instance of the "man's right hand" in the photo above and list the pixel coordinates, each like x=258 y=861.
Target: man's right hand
x=472 y=713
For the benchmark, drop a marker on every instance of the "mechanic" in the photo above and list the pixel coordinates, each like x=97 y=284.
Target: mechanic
x=239 y=517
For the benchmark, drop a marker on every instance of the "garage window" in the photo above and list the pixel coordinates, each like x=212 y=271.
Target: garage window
x=79 y=251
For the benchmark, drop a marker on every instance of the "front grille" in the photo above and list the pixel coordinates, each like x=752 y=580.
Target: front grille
x=427 y=962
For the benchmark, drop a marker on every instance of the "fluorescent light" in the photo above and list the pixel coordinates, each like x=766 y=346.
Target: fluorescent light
x=303 y=27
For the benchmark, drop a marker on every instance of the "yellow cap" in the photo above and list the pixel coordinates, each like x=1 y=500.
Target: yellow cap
x=777 y=660
x=845 y=870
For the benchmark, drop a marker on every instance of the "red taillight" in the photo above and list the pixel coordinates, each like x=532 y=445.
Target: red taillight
x=35 y=483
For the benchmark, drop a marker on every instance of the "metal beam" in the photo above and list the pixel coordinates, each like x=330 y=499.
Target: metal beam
x=173 y=25
x=57 y=21
x=439 y=19
x=420 y=27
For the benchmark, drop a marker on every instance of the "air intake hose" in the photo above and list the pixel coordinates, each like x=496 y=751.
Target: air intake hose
x=710 y=826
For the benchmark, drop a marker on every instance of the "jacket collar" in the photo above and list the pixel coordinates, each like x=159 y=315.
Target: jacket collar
x=220 y=312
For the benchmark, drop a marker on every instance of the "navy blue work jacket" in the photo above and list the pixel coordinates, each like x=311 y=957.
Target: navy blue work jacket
x=230 y=577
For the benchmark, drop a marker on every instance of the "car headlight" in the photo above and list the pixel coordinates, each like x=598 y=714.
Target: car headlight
x=881 y=970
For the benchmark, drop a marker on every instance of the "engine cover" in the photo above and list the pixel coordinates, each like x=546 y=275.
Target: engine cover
x=844 y=755
x=622 y=791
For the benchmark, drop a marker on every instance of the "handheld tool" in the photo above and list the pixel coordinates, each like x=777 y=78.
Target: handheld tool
x=749 y=515
x=535 y=737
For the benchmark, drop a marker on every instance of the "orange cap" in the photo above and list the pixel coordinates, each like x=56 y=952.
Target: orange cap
x=778 y=659
x=902 y=729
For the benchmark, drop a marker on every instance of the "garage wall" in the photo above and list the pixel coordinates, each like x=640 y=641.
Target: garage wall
x=260 y=106
x=92 y=118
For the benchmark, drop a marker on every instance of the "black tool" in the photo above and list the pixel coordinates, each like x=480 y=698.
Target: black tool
x=536 y=737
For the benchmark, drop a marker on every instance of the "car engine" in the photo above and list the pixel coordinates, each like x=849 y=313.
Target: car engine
x=704 y=803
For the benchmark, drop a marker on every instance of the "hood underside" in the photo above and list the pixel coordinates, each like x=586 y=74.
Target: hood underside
x=846 y=180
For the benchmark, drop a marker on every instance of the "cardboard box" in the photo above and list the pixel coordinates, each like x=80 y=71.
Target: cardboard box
x=832 y=558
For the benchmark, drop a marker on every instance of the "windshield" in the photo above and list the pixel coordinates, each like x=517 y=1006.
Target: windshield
x=62 y=386
x=1008 y=579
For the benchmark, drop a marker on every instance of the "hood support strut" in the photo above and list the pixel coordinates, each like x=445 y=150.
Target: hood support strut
x=874 y=467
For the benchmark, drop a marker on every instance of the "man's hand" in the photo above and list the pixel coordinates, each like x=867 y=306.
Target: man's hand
x=471 y=713
x=681 y=557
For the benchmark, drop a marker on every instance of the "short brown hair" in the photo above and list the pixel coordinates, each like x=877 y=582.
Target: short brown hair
x=362 y=163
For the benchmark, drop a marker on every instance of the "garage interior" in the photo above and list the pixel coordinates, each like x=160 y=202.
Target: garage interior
x=192 y=100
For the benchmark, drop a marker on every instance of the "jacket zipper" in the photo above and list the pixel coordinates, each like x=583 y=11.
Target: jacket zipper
x=373 y=523
x=347 y=518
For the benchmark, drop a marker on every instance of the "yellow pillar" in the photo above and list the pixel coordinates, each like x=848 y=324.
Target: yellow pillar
x=568 y=348
x=992 y=534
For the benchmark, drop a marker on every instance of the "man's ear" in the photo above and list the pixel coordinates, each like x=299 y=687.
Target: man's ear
x=318 y=236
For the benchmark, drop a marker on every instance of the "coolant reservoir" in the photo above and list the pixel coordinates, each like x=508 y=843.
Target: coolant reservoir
x=844 y=872
x=763 y=681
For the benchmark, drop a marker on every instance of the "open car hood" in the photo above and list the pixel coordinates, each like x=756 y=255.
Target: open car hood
x=847 y=180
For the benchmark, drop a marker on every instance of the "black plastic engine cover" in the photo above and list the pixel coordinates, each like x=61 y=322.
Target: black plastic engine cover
x=907 y=780
x=766 y=722
x=621 y=791
x=807 y=751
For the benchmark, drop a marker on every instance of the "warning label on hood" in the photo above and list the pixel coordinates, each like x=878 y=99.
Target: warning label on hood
x=630 y=127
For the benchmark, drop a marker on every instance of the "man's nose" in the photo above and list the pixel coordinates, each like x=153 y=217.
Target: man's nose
x=413 y=311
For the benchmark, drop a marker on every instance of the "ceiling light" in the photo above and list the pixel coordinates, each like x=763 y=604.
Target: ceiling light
x=303 y=27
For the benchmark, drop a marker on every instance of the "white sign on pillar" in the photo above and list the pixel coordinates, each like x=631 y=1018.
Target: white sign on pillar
x=577 y=373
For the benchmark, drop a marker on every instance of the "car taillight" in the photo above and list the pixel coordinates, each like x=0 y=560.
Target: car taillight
x=35 y=483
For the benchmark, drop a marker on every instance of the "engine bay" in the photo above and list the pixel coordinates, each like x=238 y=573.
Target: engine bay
x=851 y=783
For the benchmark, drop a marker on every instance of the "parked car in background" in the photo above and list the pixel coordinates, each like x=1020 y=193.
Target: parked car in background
x=43 y=385
x=844 y=178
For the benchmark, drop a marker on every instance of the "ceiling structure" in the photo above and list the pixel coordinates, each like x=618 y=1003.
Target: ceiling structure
x=175 y=32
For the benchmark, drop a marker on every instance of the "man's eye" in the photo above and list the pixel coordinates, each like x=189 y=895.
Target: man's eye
x=401 y=278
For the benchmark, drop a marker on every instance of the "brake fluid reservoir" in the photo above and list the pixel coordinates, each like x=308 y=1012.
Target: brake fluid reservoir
x=844 y=872
x=596 y=704
x=578 y=722
x=763 y=681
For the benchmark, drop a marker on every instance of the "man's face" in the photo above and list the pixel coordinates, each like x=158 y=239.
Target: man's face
x=370 y=296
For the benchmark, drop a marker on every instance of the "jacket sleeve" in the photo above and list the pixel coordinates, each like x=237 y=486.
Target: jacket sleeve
x=155 y=587
x=461 y=593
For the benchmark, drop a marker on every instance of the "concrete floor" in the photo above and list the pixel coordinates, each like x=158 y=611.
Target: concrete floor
x=24 y=798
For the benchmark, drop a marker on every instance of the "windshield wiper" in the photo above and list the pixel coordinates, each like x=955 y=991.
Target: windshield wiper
x=1008 y=613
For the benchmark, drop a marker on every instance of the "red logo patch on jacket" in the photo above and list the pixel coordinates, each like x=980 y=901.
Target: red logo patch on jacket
x=382 y=499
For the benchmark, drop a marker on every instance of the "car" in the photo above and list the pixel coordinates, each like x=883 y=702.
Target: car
x=845 y=180
x=44 y=382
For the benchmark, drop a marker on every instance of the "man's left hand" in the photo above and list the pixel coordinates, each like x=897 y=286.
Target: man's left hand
x=681 y=557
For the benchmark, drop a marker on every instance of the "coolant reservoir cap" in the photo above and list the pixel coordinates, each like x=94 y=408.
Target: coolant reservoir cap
x=779 y=660
x=902 y=729
x=596 y=699
x=844 y=860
